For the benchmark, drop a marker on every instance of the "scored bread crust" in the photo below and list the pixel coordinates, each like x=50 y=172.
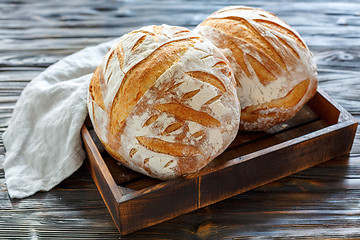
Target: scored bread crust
x=274 y=70
x=163 y=101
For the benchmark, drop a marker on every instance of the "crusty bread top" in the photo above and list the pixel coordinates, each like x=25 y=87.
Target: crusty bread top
x=164 y=102
x=268 y=57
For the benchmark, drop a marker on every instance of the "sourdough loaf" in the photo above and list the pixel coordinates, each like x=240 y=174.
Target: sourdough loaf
x=163 y=101
x=274 y=70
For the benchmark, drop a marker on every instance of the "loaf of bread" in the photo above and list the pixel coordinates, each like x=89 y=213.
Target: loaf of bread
x=274 y=69
x=163 y=101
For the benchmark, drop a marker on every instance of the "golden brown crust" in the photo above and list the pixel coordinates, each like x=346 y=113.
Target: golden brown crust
x=239 y=28
x=275 y=71
x=165 y=101
x=282 y=30
x=141 y=77
x=253 y=113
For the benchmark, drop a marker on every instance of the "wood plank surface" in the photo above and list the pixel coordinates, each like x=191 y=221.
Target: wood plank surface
x=321 y=202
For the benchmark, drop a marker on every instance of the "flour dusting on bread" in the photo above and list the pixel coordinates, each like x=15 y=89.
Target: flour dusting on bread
x=168 y=101
x=269 y=60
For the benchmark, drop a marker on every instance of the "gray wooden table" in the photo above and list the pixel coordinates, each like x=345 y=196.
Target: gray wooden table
x=321 y=202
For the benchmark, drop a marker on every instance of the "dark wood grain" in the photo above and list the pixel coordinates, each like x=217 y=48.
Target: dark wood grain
x=321 y=202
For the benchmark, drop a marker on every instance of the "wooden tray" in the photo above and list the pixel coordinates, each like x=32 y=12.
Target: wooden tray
x=322 y=130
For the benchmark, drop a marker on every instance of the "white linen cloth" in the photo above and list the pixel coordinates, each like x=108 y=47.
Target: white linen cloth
x=43 y=142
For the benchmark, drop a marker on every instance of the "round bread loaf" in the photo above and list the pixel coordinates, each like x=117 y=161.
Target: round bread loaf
x=274 y=69
x=163 y=101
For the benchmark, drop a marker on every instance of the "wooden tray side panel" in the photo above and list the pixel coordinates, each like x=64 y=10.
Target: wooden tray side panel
x=248 y=166
x=159 y=204
x=270 y=166
x=169 y=200
x=100 y=174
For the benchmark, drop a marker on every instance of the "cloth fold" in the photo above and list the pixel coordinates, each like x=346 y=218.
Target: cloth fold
x=43 y=143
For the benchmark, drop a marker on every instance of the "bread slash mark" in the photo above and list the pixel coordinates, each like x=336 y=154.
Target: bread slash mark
x=212 y=100
x=168 y=163
x=177 y=34
x=132 y=152
x=198 y=134
x=286 y=44
x=264 y=75
x=138 y=43
x=151 y=120
x=208 y=78
x=186 y=113
x=172 y=127
x=169 y=148
x=190 y=94
x=109 y=59
x=174 y=86
x=120 y=55
x=220 y=64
